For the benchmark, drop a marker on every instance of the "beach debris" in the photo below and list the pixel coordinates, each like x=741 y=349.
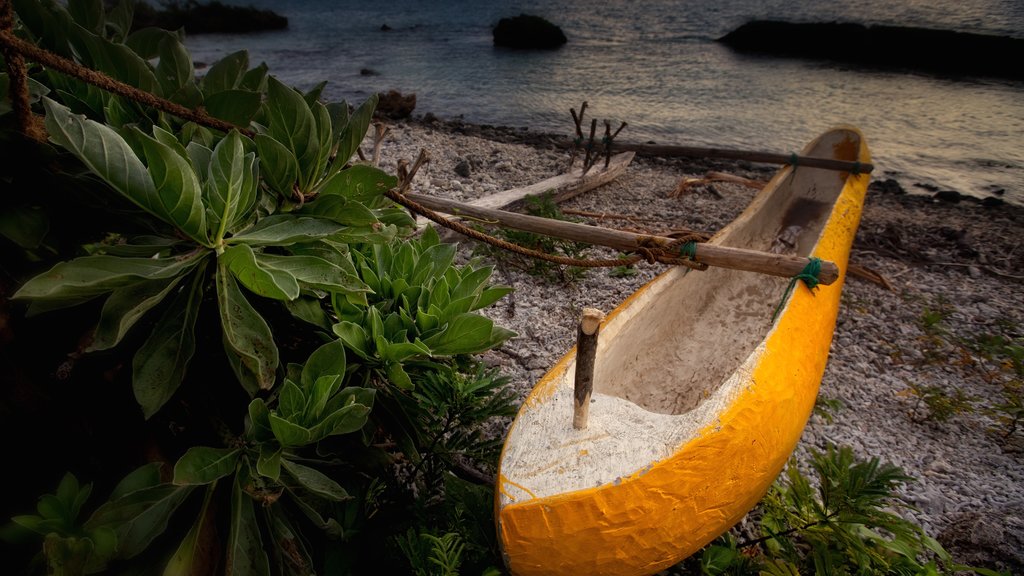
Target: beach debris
x=591 y=155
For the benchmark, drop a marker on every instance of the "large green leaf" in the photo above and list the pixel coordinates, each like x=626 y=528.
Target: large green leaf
x=342 y=211
x=159 y=366
x=124 y=307
x=360 y=183
x=327 y=360
x=205 y=465
x=292 y=124
x=246 y=334
x=315 y=481
x=105 y=153
x=145 y=476
x=178 y=192
x=174 y=69
x=191 y=555
x=291 y=402
x=235 y=106
x=313 y=272
x=279 y=166
x=119 y=20
x=226 y=73
x=355 y=338
x=466 y=334
x=88 y=14
x=285 y=229
x=230 y=188
x=268 y=282
x=344 y=420
x=245 y=553
x=354 y=132
x=289 y=433
x=90 y=276
x=139 y=516
x=174 y=198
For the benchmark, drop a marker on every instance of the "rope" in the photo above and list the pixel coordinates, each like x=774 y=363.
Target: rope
x=650 y=253
x=17 y=72
x=809 y=276
x=10 y=42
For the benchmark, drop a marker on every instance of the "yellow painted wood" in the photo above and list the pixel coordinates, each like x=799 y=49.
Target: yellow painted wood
x=658 y=515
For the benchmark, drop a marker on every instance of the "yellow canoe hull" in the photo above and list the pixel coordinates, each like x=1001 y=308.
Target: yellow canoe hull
x=648 y=519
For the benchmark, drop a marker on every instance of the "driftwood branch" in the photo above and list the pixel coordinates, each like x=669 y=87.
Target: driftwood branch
x=666 y=151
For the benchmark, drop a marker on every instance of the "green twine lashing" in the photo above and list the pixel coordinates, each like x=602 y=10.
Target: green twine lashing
x=794 y=159
x=688 y=250
x=809 y=276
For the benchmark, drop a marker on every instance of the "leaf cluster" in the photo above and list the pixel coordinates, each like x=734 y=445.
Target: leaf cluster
x=841 y=523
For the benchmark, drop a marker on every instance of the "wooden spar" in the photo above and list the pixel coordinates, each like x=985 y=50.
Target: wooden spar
x=586 y=353
x=710 y=254
x=749 y=155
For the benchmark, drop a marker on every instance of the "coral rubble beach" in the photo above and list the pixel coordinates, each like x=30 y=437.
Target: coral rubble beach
x=955 y=271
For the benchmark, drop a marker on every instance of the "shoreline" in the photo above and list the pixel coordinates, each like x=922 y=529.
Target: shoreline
x=956 y=273
x=548 y=140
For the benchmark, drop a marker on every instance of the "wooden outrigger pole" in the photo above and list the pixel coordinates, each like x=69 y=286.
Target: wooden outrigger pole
x=710 y=254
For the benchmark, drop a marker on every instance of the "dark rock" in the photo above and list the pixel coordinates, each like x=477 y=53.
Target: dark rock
x=901 y=47
x=463 y=169
x=951 y=196
x=210 y=17
x=368 y=72
x=887 y=186
x=993 y=202
x=395 y=105
x=991 y=539
x=528 y=32
x=385 y=28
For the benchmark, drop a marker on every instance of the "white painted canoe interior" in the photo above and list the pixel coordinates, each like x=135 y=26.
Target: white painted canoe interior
x=677 y=355
x=685 y=339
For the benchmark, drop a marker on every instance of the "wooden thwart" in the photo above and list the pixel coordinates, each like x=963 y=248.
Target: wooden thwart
x=710 y=254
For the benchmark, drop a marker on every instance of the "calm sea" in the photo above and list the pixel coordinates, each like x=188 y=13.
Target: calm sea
x=655 y=64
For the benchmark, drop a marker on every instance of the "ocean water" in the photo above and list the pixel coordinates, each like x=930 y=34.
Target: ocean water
x=655 y=64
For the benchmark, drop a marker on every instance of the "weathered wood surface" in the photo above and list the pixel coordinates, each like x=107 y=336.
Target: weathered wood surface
x=586 y=354
x=710 y=254
x=561 y=187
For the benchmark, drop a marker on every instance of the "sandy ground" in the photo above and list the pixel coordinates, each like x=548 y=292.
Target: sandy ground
x=930 y=342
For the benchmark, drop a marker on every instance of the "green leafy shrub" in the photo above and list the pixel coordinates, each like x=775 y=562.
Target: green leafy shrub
x=841 y=523
x=251 y=286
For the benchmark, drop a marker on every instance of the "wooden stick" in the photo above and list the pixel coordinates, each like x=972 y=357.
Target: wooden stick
x=586 y=353
x=710 y=254
x=752 y=156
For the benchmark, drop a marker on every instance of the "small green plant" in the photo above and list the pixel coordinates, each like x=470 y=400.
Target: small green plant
x=843 y=525
x=545 y=207
x=933 y=403
x=622 y=271
x=826 y=407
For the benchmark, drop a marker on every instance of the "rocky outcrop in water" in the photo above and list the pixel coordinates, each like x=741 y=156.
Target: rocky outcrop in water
x=894 y=47
x=209 y=17
x=528 y=32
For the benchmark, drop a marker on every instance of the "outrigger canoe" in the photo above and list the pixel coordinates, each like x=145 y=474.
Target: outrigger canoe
x=702 y=387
